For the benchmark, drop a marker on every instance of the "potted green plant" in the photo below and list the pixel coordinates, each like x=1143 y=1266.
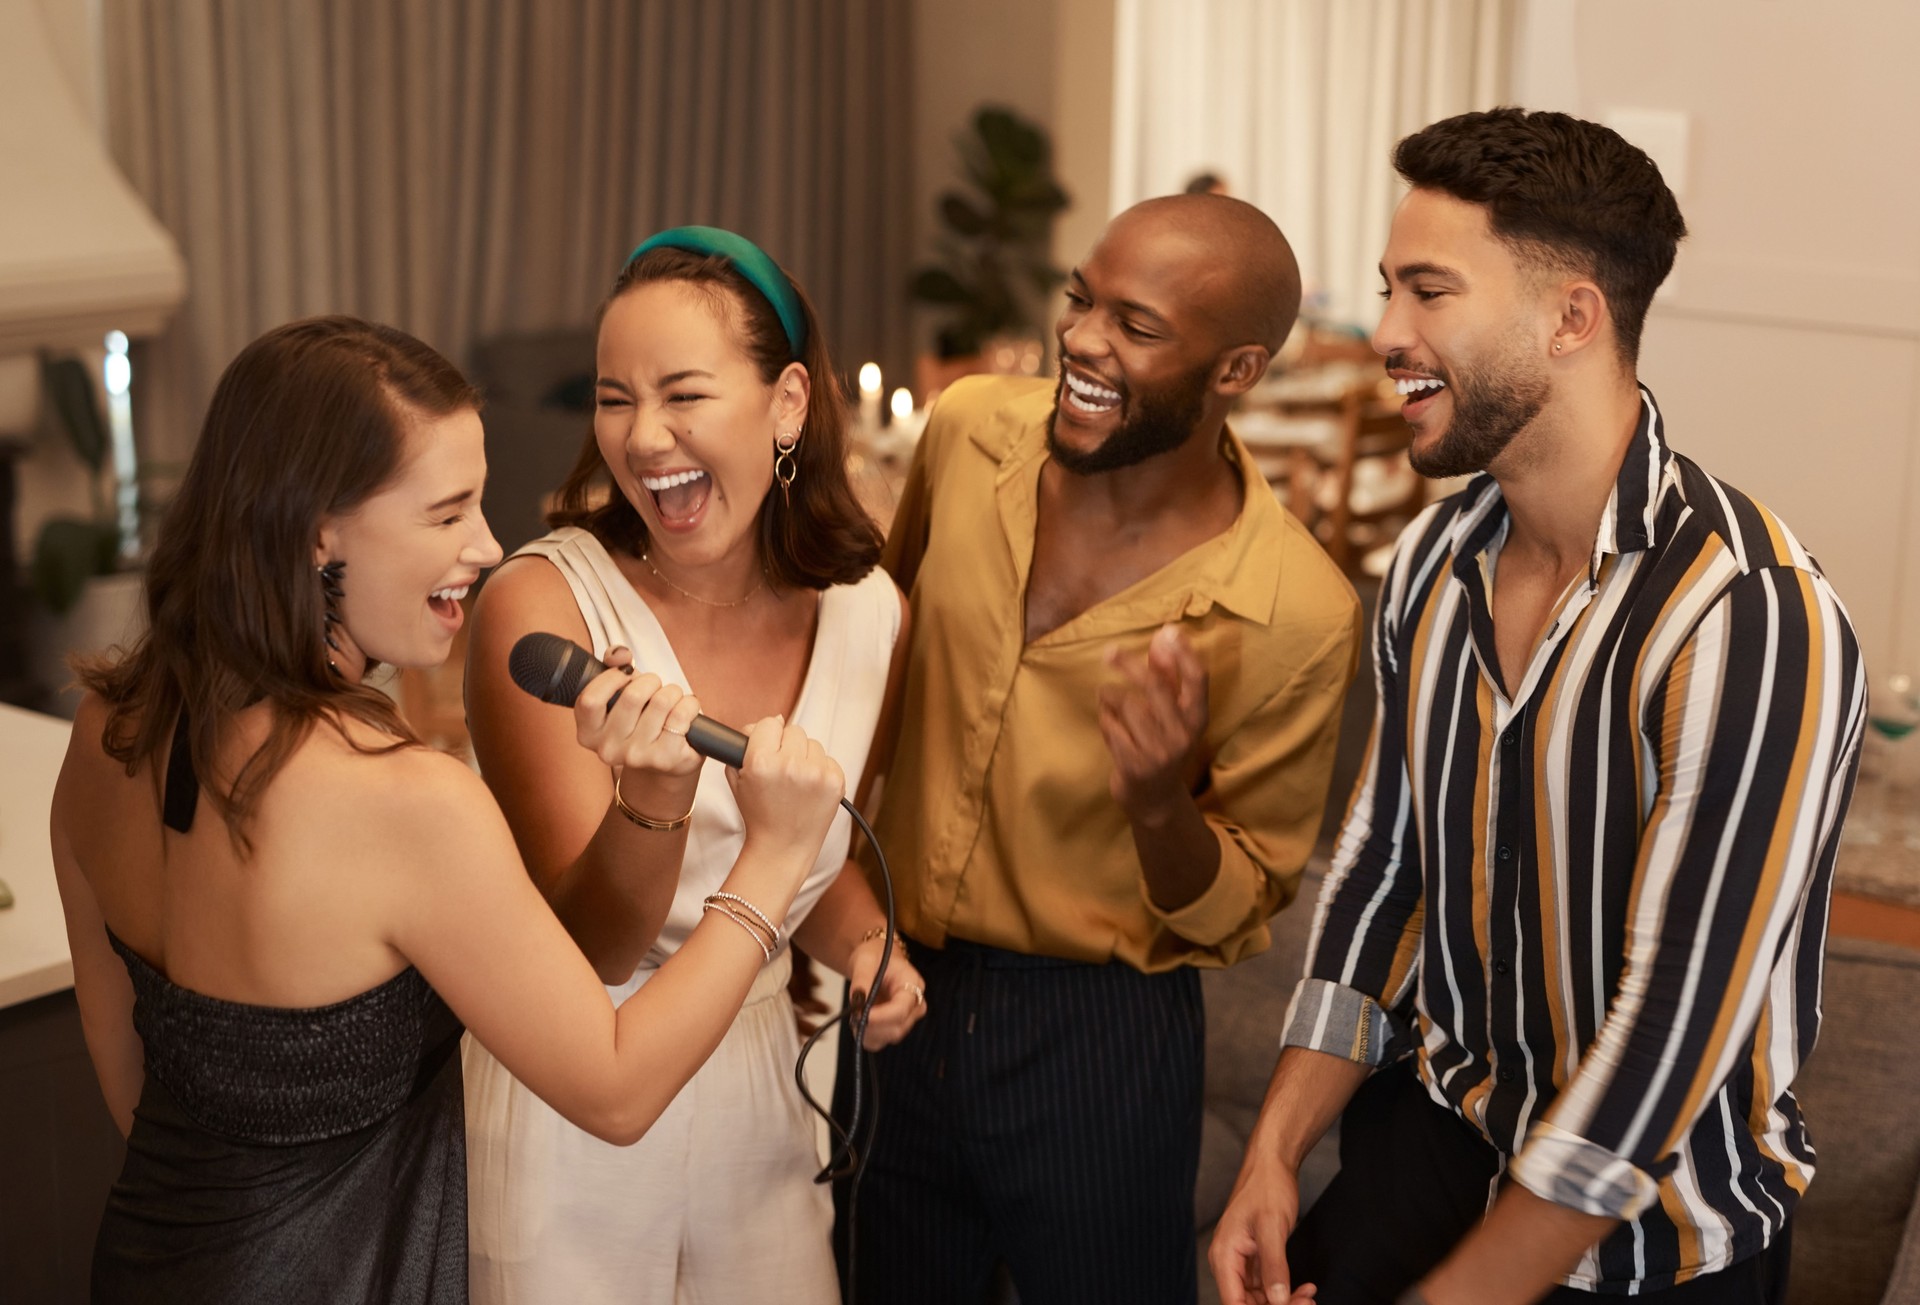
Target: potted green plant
x=84 y=570
x=72 y=550
x=995 y=268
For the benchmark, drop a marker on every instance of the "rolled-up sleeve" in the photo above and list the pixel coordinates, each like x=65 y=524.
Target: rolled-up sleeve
x=1754 y=732
x=1364 y=952
x=1265 y=797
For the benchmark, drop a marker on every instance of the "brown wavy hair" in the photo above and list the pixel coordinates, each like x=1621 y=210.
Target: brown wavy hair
x=823 y=537
x=307 y=423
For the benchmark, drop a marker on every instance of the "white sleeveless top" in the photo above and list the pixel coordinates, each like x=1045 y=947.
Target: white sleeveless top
x=839 y=706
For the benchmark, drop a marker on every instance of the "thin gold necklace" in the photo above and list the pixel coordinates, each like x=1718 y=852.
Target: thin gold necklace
x=704 y=602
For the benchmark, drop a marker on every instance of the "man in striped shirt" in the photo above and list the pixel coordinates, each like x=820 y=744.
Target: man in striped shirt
x=1576 y=916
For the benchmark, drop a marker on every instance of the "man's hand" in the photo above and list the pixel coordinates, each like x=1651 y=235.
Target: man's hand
x=1249 y=1250
x=1152 y=721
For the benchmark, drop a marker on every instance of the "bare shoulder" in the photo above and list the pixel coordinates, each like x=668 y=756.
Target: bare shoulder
x=526 y=593
x=87 y=771
x=404 y=825
x=86 y=744
x=358 y=770
x=90 y=776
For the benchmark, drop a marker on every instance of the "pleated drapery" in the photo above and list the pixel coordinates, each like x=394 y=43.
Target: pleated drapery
x=464 y=168
x=1298 y=104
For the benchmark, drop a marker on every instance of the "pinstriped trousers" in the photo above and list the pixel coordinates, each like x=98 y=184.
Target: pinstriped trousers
x=1045 y=1115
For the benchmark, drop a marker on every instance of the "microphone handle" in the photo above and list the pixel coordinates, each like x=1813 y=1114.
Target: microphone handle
x=723 y=743
x=708 y=737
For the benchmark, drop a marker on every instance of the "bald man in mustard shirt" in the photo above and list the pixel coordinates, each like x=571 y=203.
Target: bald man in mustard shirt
x=1123 y=693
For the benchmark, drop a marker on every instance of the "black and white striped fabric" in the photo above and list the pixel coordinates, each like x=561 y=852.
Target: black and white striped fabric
x=1597 y=900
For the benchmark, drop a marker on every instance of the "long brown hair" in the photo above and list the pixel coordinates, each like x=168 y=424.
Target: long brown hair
x=307 y=423
x=822 y=536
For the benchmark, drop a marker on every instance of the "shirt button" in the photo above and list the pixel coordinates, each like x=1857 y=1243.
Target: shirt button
x=1510 y=738
x=1501 y=967
x=1508 y=1074
x=1505 y=853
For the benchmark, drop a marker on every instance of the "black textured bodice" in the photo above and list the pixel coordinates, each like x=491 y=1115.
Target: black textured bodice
x=280 y=1076
x=316 y=1154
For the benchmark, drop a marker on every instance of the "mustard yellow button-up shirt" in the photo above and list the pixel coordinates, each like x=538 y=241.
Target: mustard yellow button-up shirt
x=996 y=816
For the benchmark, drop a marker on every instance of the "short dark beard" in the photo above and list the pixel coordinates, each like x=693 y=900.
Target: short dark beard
x=1150 y=425
x=1491 y=406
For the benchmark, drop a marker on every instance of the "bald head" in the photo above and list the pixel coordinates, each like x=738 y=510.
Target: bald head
x=1236 y=269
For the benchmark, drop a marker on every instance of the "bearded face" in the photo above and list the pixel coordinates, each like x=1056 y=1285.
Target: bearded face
x=1145 y=422
x=1477 y=408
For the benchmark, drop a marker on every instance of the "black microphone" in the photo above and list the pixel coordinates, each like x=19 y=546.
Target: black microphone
x=554 y=669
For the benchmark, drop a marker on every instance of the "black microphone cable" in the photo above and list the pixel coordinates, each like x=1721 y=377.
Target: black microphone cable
x=848 y=1158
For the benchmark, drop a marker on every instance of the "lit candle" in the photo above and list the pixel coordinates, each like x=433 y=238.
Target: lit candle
x=870 y=395
x=907 y=422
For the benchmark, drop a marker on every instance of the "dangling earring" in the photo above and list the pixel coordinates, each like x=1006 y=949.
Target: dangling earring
x=330 y=595
x=784 y=467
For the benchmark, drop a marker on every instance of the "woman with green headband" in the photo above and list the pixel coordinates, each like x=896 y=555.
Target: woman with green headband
x=709 y=527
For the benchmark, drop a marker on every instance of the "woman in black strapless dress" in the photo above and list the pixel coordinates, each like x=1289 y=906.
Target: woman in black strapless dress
x=283 y=909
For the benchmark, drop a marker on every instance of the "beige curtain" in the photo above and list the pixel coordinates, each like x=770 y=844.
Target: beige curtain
x=1298 y=103
x=465 y=168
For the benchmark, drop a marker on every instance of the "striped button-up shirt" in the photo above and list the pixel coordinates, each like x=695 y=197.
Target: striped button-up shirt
x=1594 y=902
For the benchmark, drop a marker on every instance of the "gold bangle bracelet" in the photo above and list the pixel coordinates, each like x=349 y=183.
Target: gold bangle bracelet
x=645 y=822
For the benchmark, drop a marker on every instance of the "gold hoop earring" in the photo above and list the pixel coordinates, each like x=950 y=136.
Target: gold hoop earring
x=785 y=469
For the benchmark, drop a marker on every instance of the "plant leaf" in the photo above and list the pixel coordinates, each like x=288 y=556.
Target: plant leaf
x=68 y=553
x=1043 y=277
x=77 y=404
x=963 y=217
x=936 y=285
x=1015 y=144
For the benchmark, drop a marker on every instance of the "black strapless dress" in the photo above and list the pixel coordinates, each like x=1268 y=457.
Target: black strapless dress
x=291 y=1155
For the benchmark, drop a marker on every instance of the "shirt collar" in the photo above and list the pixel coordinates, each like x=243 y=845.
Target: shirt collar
x=1629 y=523
x=1230 y=570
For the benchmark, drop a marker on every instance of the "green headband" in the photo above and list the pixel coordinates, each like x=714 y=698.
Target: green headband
x=750 y=261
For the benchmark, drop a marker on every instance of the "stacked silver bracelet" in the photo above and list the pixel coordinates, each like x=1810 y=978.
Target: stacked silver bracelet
x=765 y=934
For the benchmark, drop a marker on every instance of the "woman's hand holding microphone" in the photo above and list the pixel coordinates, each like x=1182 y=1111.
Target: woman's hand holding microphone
x=787 y=786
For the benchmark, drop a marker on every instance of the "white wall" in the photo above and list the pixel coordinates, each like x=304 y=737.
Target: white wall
x=1083 y=118
x=968 y=53
x=1787 y=351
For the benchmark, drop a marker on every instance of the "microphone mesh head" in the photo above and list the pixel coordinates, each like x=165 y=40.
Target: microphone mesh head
x=546 y=666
